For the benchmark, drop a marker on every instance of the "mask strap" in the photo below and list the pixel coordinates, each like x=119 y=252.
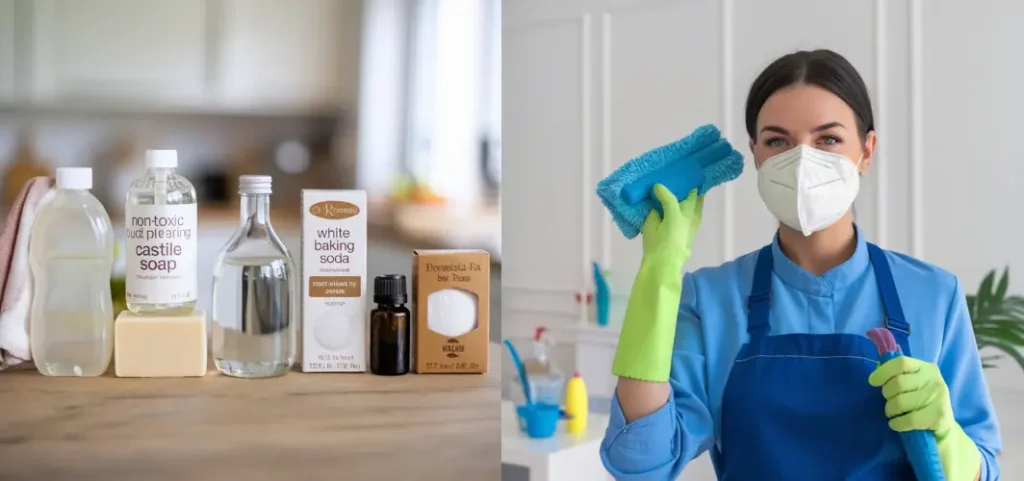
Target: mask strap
x=856 y=165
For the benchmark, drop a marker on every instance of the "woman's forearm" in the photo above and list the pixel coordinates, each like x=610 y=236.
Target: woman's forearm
x=640 y=398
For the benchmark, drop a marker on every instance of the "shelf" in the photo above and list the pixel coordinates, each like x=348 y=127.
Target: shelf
x=114 y=108
x=587 y=333
x=571 y=332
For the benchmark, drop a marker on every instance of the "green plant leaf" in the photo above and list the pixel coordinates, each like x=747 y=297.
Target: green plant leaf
x=991 y=357
x=997 y=318
x=984 y=295
x=986 y=284
x=986 y=361
x=1004 y=283
x=1000 y=334
x=1014 y=304
x=1010 y=350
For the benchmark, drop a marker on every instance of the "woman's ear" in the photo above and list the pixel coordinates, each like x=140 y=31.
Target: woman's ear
x=868 y=151
x=751 y=144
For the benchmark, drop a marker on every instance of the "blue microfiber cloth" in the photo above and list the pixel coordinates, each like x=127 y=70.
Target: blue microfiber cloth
x=699 y=161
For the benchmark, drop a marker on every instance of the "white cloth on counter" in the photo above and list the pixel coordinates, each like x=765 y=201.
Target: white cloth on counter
x=16 y=288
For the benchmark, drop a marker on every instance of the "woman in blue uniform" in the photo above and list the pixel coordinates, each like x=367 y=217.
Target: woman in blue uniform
x=763 y=361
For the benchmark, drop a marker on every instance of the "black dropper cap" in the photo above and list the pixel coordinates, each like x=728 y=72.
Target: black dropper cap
x=389 y=289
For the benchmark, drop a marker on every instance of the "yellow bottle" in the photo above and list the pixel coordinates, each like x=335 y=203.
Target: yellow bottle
x=576 y=404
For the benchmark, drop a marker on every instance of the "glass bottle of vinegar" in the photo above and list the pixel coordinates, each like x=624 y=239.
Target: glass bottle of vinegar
x=255 y=293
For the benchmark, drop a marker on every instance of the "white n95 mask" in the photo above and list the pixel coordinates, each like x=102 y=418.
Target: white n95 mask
x=808 y=189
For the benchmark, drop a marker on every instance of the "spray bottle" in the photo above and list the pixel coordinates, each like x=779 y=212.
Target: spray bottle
x=546 y=382
x=540 y=363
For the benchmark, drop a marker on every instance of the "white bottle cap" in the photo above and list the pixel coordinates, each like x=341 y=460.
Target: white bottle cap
x=254 y=184
x=74 y=178
x=161 y=159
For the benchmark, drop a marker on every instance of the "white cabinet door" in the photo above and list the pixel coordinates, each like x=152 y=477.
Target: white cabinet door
x=547 y=57
x=288 y=55
x=150 y=53
x=8 y=49
x=588 y=85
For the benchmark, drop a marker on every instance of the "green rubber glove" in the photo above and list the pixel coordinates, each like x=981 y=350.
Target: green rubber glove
x=648 y=330
x=917 y=398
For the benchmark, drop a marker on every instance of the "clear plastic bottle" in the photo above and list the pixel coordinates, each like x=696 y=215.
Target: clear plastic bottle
x=161 y=248
x=255 y=293
x=71 y=253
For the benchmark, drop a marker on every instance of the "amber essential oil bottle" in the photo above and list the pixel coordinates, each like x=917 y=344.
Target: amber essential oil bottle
x=390 y=334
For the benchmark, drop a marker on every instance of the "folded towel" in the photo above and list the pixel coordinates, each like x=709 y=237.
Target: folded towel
x=10 y=233
x=16 y=286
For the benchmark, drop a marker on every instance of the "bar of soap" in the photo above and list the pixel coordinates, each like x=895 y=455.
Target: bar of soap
x=160 y=346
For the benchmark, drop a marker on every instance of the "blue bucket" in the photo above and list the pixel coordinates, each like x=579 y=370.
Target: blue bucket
x=539 y=420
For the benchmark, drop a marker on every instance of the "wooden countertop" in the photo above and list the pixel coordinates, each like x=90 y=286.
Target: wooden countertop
x=300 y=426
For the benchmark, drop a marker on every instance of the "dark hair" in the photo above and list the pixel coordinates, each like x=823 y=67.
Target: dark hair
x=821 y=68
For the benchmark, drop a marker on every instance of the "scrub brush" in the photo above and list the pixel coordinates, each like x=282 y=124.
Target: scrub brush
x=699 y=161
x=919 y=445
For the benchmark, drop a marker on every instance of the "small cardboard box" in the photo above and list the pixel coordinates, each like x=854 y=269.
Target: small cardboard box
x=334 y=280
x=451 y=294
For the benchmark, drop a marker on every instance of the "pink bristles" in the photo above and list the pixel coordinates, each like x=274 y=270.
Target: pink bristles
x=883 y=340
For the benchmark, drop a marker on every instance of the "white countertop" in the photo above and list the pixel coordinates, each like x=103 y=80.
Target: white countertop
x=518 y=448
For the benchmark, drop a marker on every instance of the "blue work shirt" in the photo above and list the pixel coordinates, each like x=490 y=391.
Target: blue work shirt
x=712 y=326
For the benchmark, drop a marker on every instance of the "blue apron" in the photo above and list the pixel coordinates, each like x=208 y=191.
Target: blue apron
x=799 y=406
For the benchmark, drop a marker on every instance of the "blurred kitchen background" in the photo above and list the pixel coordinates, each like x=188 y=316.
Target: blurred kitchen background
x=401 y=98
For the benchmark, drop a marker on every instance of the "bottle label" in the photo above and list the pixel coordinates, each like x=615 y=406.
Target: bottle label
x=160 y=253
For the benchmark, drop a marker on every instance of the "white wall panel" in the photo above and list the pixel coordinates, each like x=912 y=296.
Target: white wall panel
x=543 y=188
x=971 y=166
x=681 y=89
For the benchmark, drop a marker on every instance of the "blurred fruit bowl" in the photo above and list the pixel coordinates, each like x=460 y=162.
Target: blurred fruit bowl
x=407 y=190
